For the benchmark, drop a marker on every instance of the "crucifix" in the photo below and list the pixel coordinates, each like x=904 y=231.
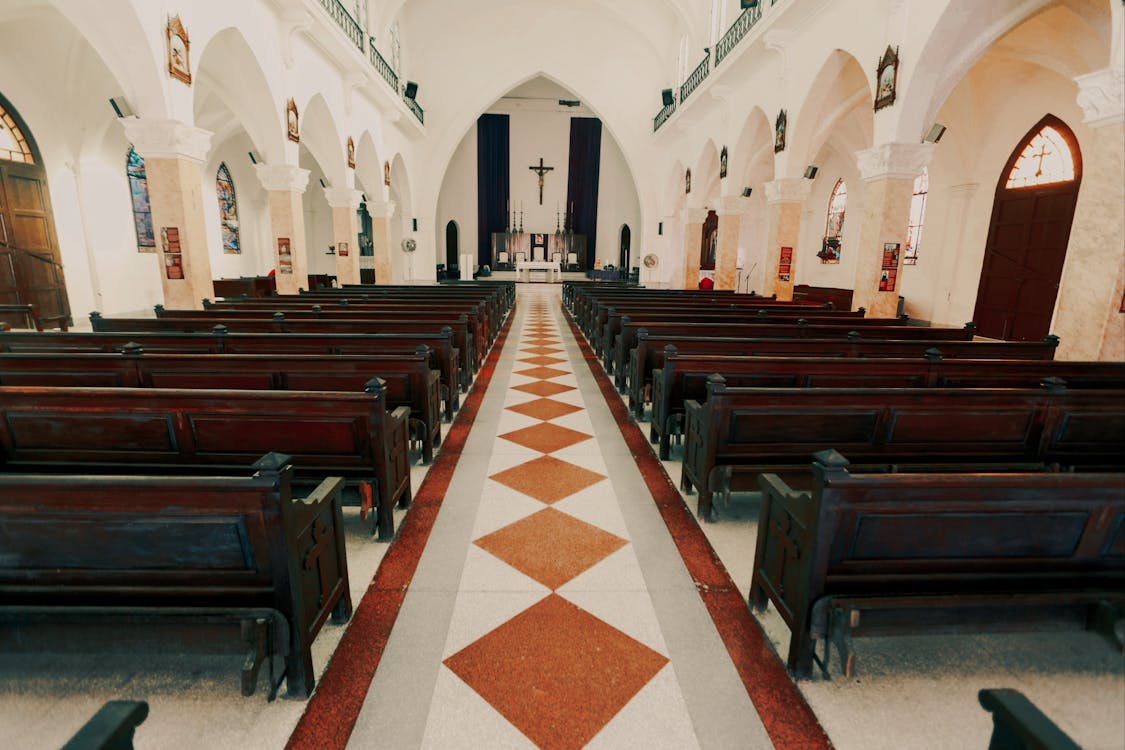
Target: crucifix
x=541 y=171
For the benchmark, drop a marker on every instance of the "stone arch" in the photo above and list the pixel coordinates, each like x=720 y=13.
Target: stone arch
x=837 y=107
x=321 y=137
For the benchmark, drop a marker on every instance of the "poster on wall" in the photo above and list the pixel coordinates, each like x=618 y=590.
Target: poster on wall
x=284 y=256
x=887 y=279
x=890 y=254
x=342 y=249
x=785 y=264
x=173 y=252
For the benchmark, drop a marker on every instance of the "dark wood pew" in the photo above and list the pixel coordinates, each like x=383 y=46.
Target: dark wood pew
x=246 y=286
x=111 y=728
x=585 y=302
x=190 y=548
x=408 y=379
x=25 y=316
x=684 y=377
x=648 y=355
x=841 y=299
x=742 y=432
x=593 y=311
x=911 y=553
x=1018 y=725
x=320 y=281
x=327 y=433
x=497 y=298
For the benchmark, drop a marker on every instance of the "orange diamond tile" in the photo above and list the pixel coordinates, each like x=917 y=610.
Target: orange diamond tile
x=541 y=360
x=543 y=388
x=542 y=342
x=542 y=373
x=556 y=672
x=547 y=479
x=550 y=546
x=540 y=350
x=546 y=438
x=544 y=408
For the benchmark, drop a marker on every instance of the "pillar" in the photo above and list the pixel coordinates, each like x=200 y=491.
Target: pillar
x=285 y=185
x=345 y=232
x=785 y=198
x=726 y=257
x=1088 y=317
x=174 y=154
x=693 y=236
x=888 y=172
x=381 y=214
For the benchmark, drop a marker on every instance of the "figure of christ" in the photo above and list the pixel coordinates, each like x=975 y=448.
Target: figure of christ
x=542 y=172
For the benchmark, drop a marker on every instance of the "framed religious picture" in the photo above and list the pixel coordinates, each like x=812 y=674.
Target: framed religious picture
x=179 y=48
x=886 y=78
x=779 y=132
x=292 y=124
x=387 y=173
x=687 y=181
x=350 y=148
x=723 y=163
x=342 y=249
x=891 y=254
x=284 y=255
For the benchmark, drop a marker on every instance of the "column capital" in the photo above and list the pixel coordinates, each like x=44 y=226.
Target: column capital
x=282 y=178
x=730 y=205
x=381 y=209
x=167 y=139
x=1101 y=95
x=343 y=197
x=695 y=215
x=901 y=161
x=788 y=190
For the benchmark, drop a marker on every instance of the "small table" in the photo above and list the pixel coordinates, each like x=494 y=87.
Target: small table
x=538 y=265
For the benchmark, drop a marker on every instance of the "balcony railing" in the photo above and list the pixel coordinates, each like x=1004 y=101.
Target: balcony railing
x=663 y=115
x=738 y=29
x=381 y=65
x=697 y=77
x=345 y=21
x=416 y=108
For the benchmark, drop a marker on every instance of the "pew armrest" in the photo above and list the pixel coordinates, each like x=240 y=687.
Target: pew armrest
x=1018 y=725
x=111 y=728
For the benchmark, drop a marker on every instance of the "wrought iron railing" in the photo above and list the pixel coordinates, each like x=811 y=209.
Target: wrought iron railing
x=697 y=77
x=738 y=29
x=381 y=65
x=416 y=108
x=345 y=21
x=663 y=115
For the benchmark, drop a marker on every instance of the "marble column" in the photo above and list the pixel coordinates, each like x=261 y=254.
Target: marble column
x=174 y=153
x=381 y=214
x=693 y=236
x=726 y=256
x=285 y=185
x=785 y=198
x=345 y=232
x=1087 y=314
x=888 y=172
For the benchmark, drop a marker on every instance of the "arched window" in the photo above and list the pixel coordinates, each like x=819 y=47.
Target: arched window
x=917 y=217
x=13 y=144
x=1045 y=160
x=834 y=226
x=228 y=211
x=142 y=211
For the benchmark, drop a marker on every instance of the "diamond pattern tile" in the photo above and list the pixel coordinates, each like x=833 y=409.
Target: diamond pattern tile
x=546 y=438
x=541 y=350
x=541 y=360
x=544 y=388
x=557 y=673
x=542 y=373
x=544 y=408
x=548 y=479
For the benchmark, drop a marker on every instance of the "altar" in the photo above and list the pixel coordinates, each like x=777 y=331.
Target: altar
x=554 y=271
x=566 y=250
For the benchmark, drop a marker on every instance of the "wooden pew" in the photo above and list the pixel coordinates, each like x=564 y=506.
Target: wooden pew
x=168 y=548
x=684 y=377
x=1018 y=725
x=328 y=433
x=111 y=728
x=408 y=379
x=742 y=432
x=25 y=316
x=908 y=553
x=246 y=286
x=648 y=355
x=841 y=299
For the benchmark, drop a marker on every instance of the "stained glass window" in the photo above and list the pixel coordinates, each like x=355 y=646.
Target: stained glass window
x=13 y=145
x=834 y=226
x=1045 y=160
x=142 y=211
x=228 y=211
x=917 y=217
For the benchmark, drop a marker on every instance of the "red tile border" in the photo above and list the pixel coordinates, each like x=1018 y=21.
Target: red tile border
x=331 y=713
x=787 y=717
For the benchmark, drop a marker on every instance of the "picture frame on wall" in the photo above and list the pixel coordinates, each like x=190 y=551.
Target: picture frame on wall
x=350 y=148
x=179 y=50
x=292 y=122
x=687 y=181
x=723 y=163
x=779 y=128
x=886 y=79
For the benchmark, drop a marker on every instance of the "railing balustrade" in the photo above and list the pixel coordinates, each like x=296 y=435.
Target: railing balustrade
x=416 y=108
x=697 y=77
x=663 y=115
x=345 y=21
x=737 y=31
x=381 y=65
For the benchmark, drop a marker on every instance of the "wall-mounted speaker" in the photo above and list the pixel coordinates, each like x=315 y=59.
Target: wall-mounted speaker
x=749 y=4
x=323 y=184
x=253 y=158
x=414 y=224
x=660 y=228
x=746 y=192
x=667 y=98
x=121 y=107
x=937 y=130
x=810 y=173
x=411 y=90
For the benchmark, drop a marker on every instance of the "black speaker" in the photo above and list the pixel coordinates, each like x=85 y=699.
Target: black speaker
x=810 y=173
x=666 y=96
x=749 y=4
x=746 y=192
x=411 y=90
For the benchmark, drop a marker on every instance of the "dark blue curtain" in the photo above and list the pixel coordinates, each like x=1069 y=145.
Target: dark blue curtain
x=582 y=187
x=492 y=182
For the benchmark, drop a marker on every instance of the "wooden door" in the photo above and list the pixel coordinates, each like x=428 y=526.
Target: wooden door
x=626 y=241
x=1027 y=240
x=30 y=266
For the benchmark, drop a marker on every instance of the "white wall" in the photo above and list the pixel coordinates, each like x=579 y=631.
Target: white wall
x=617 y=205
x=253 y=212
x=810 y=270
x=458 y=198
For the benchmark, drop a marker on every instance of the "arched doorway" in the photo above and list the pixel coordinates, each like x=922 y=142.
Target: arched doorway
x=366 y=243
x=452 y=246
x=1030 y=229
x=30 y=266
x=708 y=242
x=626 y=241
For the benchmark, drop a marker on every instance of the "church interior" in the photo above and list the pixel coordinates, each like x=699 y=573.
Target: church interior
x=608 y=373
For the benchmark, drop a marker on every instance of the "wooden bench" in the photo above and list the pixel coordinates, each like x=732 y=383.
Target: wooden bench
x=166 y=547
x=841 y=299
x=327 y=433
x=407 y=378
x=111 y=728
x=25 y=316
x=912 y=553
x=684 y=377
x=742 y=432
x=246 y=286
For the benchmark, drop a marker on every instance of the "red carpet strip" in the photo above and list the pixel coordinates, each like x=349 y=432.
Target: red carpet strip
x=332 y=711
x=786 y=716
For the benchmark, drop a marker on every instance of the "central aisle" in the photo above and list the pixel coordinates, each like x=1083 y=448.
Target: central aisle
x=550 y=607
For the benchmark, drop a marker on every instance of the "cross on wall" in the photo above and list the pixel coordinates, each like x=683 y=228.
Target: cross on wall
x=542 y=172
